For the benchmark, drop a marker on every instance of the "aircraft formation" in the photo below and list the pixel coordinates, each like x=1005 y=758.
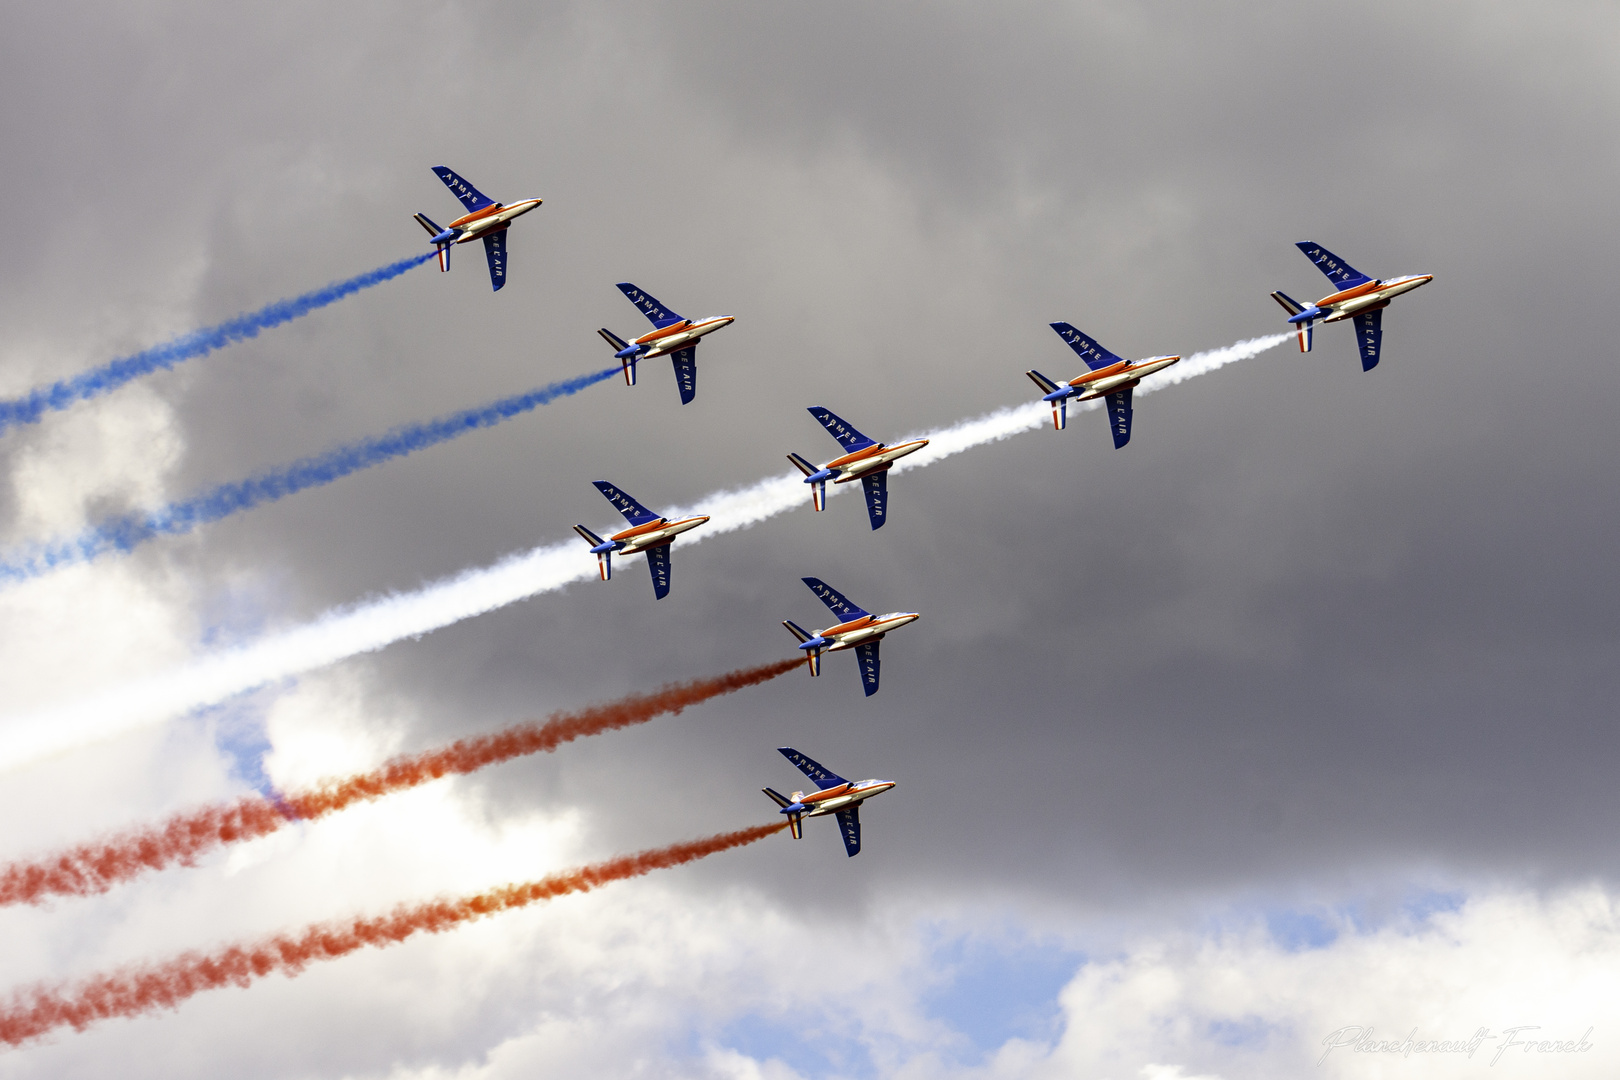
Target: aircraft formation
x=1107 y=376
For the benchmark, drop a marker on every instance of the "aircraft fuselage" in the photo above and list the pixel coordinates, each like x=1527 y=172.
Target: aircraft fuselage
x=1117 y=377
x=834 y=799
x=847 y=635
x=1368 y=296
x=872 y=459
x=490 y=219
x=680 y=335
x=653 y=534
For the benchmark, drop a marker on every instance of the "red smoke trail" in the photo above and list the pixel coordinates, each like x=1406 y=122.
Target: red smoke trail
x=96 y=867
x=137 y=990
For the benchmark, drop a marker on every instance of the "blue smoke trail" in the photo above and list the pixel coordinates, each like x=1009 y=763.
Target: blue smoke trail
x=126 y=532
x=98 y=381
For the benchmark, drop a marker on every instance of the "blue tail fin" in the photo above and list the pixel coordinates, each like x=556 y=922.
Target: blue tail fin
x=1085 y=347
x=834 y=600
x=659 y=315
x=850 y=439
x=633 y=512
x=470 y=197
x=823 y=777
x=1342 y=274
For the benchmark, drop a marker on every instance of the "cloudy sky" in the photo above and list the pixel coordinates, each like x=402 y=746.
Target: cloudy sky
x=1295 y=715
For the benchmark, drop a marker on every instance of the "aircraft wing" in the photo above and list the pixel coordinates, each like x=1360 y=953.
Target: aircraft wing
x=1342 y=274
x=850 y=439
x=470 y=197
x=1119 y=416
x=834 y=600
x=495 y=252
x=1086 y=347
x=824 y=778
x=1370 y=336
x=686 y=372
x=633 y=512
x=867 y=654
x=659 y=315
x=849 y=823
x=658 y=563
x=876 y=486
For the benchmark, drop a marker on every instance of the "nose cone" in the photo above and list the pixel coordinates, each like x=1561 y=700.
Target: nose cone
x=910 y=617
x=726 y=320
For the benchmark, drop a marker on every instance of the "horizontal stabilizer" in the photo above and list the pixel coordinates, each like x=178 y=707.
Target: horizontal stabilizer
x=777 y=797
x=823 y=777
x=1289 y=304
x=797 y=631
x=588 y=536
x=618 y=343
x=1342 y=274
x=427 y=223
x=657 y=314
x=1086 y=347
x=850 y=439
x=633 y=512
x=835 y=600
x=802 y=465
x=1047 y=385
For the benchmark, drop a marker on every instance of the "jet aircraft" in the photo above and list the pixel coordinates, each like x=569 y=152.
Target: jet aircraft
x=1110 y=377
x=647 y=532
x=836 y=796
x=671 y=336
x=864 y=459
x=858 y=630
x=1359 y=297
x=485 y=220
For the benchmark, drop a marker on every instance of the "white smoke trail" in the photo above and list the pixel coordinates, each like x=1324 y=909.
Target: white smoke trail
x=375 y=623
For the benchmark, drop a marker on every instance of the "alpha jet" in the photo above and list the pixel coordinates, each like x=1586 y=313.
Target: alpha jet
x=647 y=533
x=836 y=796
x=671 y=336
x=866 y=460
x=1359 y=297
x=858 y=630
x=1109 y=377
x=485 y=220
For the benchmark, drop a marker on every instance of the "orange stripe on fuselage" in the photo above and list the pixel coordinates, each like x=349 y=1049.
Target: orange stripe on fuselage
x=663 y=332
x=1350 y=294
x=1101 y=373
x=477 y=215
x=651 y=526
x=844 y=628
x=830 y=793
x=859 y=455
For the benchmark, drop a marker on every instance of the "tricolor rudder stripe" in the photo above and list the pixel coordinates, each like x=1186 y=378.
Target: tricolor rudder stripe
x=125 y=533
x=98 y=381
x=96 y=867
x=145 y=988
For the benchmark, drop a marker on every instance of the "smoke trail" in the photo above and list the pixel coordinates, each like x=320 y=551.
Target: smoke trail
x=368 y=626
x=95 y=868
x=125 y=533
x=148 y=988
x=98 y=381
